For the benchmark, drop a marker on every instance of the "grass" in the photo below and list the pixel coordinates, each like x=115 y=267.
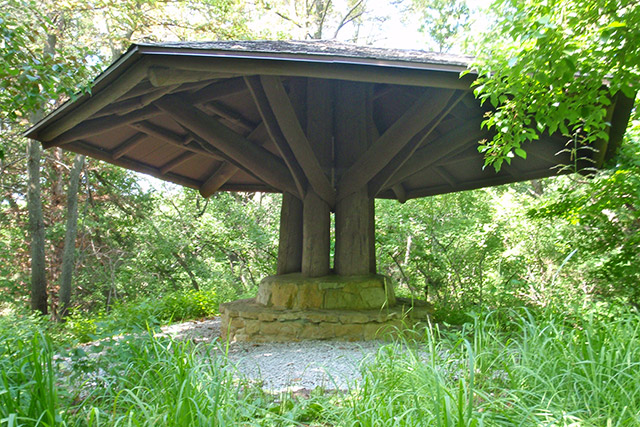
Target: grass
x=508 y=368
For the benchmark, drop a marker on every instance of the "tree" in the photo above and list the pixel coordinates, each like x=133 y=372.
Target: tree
x=555 y=65
x=443 y=21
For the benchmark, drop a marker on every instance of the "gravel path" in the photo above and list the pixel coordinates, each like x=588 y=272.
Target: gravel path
x=293 y=366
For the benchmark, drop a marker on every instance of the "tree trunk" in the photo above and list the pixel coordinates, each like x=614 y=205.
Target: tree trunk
x=68 y=255
x=36 y=228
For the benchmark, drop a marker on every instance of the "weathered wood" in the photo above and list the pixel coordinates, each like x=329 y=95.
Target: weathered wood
x=177 y=161
x=132 y=104
x=290 y=242
x=230 y=115
x=319 y=127
x=424 y=110
x=353 y=213
x=348 y=72
x=295 y=137
x=400 y=192
x=502 y=178
x=97 y=101
x=262 y=162
x=218 y=90
x=85 y=148
x=177 y=140
x=128 y=145
x=224 y=174
x=373 y=263
x=218 y=179
x=315 y=236
x=101 y=125
x=438 y=149
x=271 y=124
x=162 y=133
x=161 y=76
x=381 y=180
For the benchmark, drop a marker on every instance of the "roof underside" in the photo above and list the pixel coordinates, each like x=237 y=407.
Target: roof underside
x=239 y=116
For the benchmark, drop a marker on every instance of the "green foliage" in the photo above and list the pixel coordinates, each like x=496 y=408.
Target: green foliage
x=542 y=66
x=142 y=314
x=28 y=392
x=444 y=21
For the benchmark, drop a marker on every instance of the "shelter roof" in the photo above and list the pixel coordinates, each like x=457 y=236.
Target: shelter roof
x=236 y=116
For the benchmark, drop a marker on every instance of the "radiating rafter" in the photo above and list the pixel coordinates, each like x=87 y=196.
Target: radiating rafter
x=296 y=138
x=383 y=177
x=268 y=167
x=271 y=124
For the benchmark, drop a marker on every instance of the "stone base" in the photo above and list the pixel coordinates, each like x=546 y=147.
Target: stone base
x=297 y=292
x=248 y=320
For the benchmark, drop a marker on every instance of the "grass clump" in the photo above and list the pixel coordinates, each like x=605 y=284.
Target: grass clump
x=505 y=368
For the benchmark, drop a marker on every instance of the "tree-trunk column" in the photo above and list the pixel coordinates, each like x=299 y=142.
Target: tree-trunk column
x=290 y=244
x=316 y=212
x=354 y=222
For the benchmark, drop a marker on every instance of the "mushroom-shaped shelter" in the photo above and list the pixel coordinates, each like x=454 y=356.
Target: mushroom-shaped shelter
x=331 y=126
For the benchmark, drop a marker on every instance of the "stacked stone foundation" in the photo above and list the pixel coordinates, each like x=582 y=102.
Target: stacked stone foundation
x=296 y=308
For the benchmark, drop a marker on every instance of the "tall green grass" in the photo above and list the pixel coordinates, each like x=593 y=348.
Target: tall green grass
x=509 y=368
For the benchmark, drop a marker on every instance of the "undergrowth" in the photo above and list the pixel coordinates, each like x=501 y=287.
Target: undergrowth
x=504 y=368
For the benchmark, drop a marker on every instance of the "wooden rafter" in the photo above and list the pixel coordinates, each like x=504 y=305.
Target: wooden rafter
x=83 y=147
x=163 y=76
x=225 y=172
x=129 y=145
x=177 y=161
x=436 y=150
x=268 y=167
x=132 y=104
x=296 y=138
x=392 y=141
x=96 y=102
x=381 y=180
x=229 y=115
x=103 y=124
x=271 y=124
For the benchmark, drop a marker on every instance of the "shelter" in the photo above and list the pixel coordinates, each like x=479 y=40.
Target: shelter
x=331 y=126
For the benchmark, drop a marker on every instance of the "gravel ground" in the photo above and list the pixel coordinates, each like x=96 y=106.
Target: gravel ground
x=293 y=366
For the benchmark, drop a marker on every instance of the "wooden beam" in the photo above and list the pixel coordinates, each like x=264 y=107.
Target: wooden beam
x=224 y=174
x=174 y=139
x=382 y=178
x=101 y=125
x=290 y=240
x=128 y=145
x=400 y=192
x=163 y=133
x=485 y=182
x=220 y=177
x=424 y=110
x=218 y=90
x=177 y=161
x=445 y=175
x=436 y=150
x=162 y=76
x=96 y=101
x=297 y=140
x=83 y=147
x=336 y=71
x=230 y=115
x=132 y=104
x=260 y=161
x=271 y=124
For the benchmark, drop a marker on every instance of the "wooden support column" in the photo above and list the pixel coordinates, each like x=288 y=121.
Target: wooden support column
x=290 y=244
x=354 y=223
x=316 y=211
